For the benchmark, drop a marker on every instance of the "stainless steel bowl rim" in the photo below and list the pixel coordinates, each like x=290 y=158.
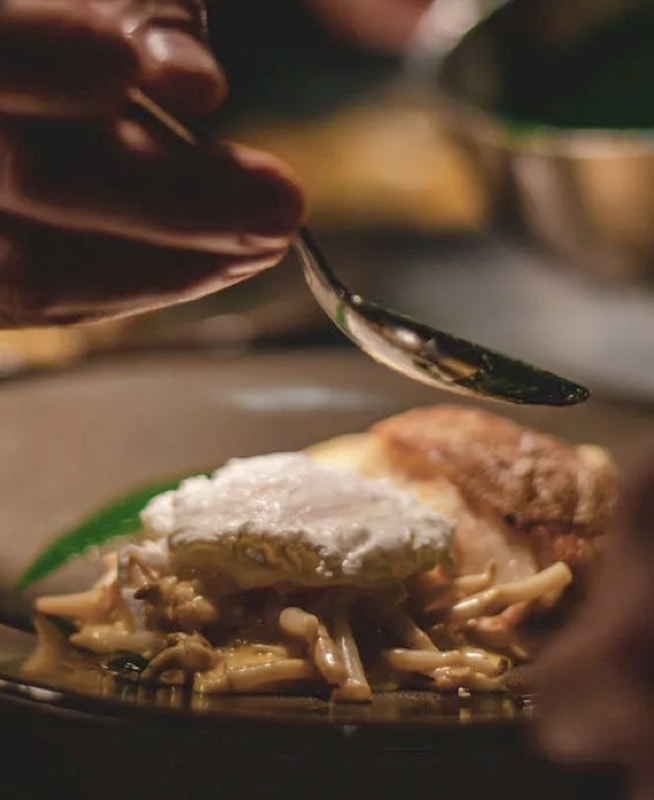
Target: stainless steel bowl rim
x=545 y=140
x=429 y=51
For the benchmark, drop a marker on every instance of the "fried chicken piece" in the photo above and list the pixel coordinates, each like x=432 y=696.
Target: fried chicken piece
x=526 y=487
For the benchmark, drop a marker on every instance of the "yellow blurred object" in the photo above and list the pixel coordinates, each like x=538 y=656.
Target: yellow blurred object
x=38 y=348
x=378 y=164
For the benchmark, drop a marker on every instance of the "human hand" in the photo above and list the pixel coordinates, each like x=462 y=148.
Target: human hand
x=595 y=682
x=97 y=217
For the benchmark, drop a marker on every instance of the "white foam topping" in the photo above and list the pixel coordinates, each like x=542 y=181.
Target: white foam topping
x=285 y=517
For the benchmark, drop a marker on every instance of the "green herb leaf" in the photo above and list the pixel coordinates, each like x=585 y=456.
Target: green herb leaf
x=128 y=666
x=118 y=519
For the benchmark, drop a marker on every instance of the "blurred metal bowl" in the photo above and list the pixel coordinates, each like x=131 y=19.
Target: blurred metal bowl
x=583 y=195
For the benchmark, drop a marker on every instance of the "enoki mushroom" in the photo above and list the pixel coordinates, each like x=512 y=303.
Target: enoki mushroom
x=346 y=640
x=547 y=584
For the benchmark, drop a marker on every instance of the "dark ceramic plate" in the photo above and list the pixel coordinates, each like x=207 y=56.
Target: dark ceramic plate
x=74 y=441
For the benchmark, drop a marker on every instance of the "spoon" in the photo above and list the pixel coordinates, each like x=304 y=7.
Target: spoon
x=408 y=346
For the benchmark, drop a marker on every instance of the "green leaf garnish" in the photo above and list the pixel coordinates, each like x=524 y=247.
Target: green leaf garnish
x=118 y=519
x=128 y=666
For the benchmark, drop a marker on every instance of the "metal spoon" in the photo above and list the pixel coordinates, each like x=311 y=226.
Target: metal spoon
x=412 y=348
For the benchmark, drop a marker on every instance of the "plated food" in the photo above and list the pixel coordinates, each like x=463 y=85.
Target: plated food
x=428 y=552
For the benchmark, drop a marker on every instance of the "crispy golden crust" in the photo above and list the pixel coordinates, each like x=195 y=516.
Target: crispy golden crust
x=574 y=549
x=535 y=482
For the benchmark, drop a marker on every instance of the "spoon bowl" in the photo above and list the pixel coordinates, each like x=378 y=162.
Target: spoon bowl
x=425 y=354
